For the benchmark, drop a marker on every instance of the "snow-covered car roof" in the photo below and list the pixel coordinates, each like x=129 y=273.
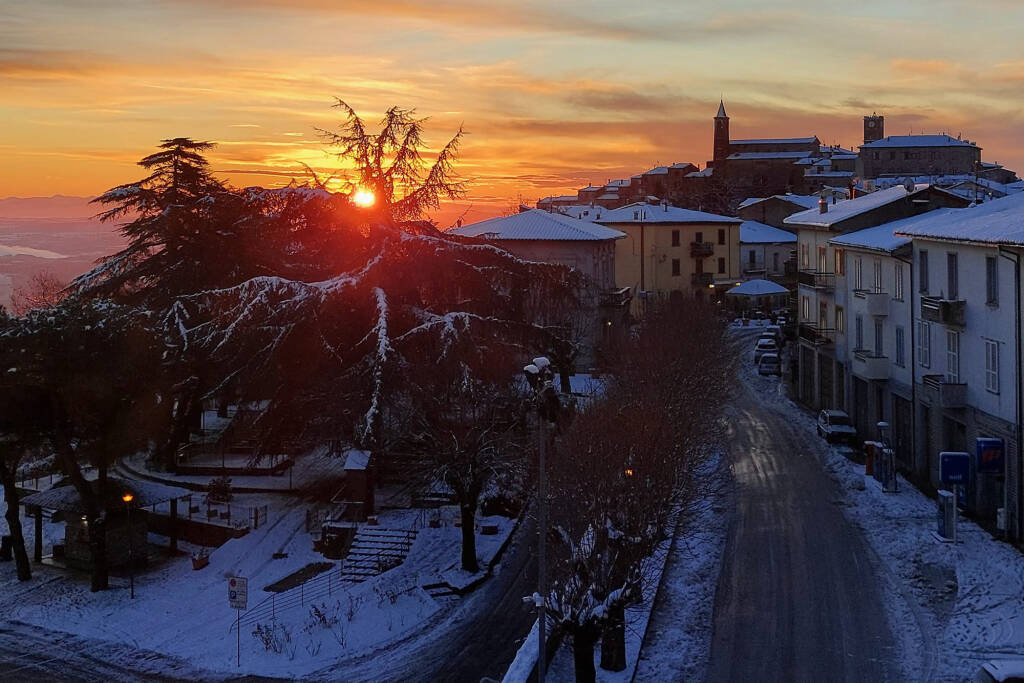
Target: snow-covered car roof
x=836 y=413
x=1001 y=669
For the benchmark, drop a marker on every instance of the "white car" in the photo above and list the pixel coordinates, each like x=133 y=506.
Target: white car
x=835 y=427
x=1001 y=671
x=769 y=364
x=765 y=345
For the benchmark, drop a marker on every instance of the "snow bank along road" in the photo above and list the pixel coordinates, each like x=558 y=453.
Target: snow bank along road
x=797 y=599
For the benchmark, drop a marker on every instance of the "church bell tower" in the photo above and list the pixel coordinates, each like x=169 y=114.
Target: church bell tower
x=721 y=148
x=874 y=128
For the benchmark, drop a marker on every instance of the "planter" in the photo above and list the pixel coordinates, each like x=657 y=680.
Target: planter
x=200 y=562
x=435 y=524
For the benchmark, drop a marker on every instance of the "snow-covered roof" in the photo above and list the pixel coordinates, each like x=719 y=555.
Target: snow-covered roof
x=617 y=184
x=609 y=195
x=806 y=201
x=883 y=237
x=738 y=156
x=537 y=225
x=591 y=188
x=1000 y=221
x=657 y=170
x=831 y=174
x=845 y=157
x=356 y=459
x=561 y=198
x=847 y=208
x=752 y=232
x=758 y=288
x=918 y=141
x=775 y=141
x=654 y=213
x=836 y=150
x=144 y=494
x=706 y=173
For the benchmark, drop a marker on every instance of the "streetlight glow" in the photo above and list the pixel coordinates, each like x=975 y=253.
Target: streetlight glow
x=127 y=497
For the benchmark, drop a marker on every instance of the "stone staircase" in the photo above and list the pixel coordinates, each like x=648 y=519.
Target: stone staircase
x=375 y=550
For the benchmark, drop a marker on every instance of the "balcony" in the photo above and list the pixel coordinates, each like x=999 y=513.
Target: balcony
x=818 y=336
x=944 y=311
x=614 y=298
x=869 y=366
x=950 y=395
x=702 y=279
x=877 y=302
x=701 y=249
x=812 y=278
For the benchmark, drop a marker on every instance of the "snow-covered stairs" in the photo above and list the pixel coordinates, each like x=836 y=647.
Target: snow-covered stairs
x=375 y=550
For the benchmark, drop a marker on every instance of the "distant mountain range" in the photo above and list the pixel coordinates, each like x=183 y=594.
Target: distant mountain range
x=57 y=206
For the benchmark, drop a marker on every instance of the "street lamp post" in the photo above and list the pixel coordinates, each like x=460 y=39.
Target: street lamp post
x=127 y=498
x=539 y=376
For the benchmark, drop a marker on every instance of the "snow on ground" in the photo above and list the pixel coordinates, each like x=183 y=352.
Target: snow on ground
x=185 y=613
x=952 y=607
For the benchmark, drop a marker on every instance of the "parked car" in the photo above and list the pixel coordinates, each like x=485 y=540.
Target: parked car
x=770 y=364
x=765 y=345
x=835 y=427
x=1001 y=671
x=777 y=331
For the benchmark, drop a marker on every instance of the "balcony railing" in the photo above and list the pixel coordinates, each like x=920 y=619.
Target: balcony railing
x=702 y=279
x=818 y=336
x=944 y=311
x=701 y=249
x=812 y=278
x=614 y=298
x=869 y=366
x=950 y=394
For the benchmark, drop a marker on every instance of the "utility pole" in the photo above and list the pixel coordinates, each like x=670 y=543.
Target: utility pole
x=542 y=532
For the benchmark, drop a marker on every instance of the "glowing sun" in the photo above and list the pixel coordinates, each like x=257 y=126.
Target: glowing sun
x=361 y=197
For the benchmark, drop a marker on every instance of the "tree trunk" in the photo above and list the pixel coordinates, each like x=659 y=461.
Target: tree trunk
x=583 y=641
x=98 y=549
x=468 y=515
x=613 y=640
x=93 y=509
x=7 y=473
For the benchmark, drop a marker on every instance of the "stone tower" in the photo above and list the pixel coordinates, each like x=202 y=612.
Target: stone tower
x=874 y=128
x=721 y=148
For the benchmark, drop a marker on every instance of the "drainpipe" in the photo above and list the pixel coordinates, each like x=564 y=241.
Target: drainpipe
x=913 y=362
x=1015 y=259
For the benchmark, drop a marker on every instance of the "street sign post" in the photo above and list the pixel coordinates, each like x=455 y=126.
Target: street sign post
x=238 y=597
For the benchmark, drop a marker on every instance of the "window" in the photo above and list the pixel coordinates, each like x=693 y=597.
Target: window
x=922 y=269
x=721 y=236
x=675 y=267
x=699 y=237
x=675 y=238
x=840 y=320
x=874 y=155
x=858 y=334
x=898 y=282
x=879 y=338
x=892 y=156
x=822 y=260
x=752 y=260
x=805 y=308
x=721 y=264
x=952 y=357
x=775 y=262
x=876 y=279
x=992 y=366
x=805 y=258
x=991 y=281
x=840 y=262
x=900 y=343
x=858 y=273
x=924 y=344
x=952 y=279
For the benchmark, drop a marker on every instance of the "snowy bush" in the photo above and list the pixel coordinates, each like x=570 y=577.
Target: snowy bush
x=275 y=637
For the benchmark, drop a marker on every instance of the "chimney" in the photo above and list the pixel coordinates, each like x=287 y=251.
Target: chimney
x=822 y=205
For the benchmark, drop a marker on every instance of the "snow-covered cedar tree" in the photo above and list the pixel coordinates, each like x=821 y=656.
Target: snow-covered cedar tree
x=180 y=229
x=463 y=436
x=97 y=368
x=623 y=474
x=403 y=303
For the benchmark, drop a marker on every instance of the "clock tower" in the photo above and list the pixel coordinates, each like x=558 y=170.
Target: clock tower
x=721 y=144
x=874 y=128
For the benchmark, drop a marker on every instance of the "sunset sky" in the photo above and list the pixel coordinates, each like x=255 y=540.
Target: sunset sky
x=553 y=94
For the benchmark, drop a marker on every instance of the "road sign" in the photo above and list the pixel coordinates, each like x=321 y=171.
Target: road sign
x=954 y=468
x=238 y=592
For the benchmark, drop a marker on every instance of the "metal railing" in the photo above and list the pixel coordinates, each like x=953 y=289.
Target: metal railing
x=812 y=278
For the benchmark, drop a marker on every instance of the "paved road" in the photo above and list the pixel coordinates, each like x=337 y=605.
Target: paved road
x=796 y=599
